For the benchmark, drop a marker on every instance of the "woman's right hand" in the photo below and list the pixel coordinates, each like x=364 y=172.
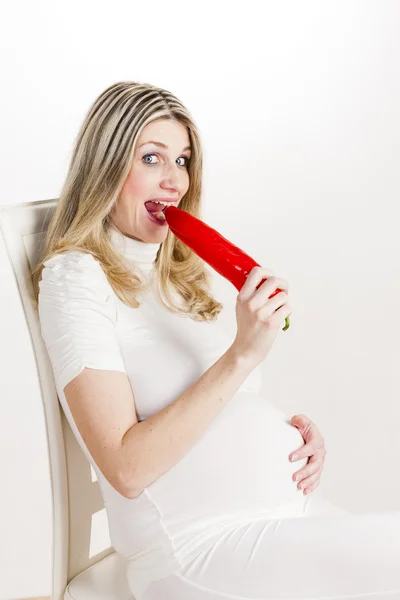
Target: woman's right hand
x=258 y=317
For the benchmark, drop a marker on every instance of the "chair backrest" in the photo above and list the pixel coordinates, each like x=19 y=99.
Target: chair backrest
x=80 y=532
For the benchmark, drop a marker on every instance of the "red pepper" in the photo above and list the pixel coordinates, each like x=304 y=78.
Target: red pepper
x=223 y=256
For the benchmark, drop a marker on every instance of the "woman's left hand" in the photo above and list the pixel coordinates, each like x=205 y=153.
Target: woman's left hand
x=308 y=477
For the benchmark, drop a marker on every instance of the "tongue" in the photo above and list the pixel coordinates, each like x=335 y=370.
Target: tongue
x=152 y=207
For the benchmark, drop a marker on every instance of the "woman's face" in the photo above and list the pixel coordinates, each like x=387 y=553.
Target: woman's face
x=156 y=172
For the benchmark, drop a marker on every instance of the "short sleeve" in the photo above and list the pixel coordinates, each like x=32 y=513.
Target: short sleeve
x=77 y=313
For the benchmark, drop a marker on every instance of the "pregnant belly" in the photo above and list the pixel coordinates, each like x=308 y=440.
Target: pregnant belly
x=239 y=467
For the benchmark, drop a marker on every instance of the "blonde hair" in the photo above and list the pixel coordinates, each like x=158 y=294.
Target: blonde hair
x=100 y=163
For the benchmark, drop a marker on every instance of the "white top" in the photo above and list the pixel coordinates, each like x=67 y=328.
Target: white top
x=239 y=469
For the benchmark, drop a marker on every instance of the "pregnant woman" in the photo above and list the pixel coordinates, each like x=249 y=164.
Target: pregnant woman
x=192 y=461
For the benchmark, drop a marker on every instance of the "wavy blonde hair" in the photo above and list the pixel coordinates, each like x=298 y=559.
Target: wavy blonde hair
x=100 y=163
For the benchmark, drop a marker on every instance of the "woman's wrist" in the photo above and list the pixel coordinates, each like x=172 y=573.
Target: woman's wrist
x=242 y=361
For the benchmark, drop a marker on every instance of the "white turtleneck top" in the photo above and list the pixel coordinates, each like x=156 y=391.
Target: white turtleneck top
x=239 y=469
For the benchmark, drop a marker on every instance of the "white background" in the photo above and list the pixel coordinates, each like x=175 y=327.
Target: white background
x=297 y=103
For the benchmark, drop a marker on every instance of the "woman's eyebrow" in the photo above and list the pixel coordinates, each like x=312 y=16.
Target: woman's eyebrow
x=162 y=145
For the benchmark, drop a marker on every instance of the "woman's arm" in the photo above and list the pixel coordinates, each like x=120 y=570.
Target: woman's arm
x=132 y=455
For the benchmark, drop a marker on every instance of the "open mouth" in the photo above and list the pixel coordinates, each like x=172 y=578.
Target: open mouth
x=156 y=210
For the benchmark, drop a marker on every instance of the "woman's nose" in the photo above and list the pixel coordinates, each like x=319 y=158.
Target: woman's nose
x=173 y=176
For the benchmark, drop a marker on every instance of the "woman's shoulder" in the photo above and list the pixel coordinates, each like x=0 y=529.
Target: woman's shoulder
x=74 y=267
x=70 y=258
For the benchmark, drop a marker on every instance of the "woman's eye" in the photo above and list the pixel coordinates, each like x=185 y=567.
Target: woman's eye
x=153 y=163
x=148 y=155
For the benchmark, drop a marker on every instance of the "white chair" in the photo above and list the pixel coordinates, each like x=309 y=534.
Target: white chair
x=75 y=496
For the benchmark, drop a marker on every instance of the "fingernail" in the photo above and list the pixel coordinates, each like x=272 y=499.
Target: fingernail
x=294 y=457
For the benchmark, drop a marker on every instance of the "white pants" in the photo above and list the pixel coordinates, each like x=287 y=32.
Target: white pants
x=327 y=554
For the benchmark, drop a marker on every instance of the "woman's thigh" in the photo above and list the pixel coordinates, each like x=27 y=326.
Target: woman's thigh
x=329 y=553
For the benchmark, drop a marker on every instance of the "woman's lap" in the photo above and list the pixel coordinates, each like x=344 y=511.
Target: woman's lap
x=328 y=553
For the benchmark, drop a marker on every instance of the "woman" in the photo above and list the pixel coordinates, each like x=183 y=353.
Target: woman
x=191 y=460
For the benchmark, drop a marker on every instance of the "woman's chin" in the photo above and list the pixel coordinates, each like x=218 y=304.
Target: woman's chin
x=156 y=232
